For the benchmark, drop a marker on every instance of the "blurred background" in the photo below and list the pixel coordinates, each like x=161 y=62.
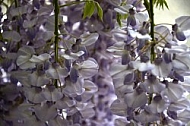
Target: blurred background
x=177 y=8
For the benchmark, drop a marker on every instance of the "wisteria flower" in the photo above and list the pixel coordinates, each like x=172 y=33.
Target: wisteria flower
x=172 y=91
x=152 y=85
x=135 y=99
x=158 y=104
x=88 y=68
x=145 y=116
x=161 y=68
x=182 y=24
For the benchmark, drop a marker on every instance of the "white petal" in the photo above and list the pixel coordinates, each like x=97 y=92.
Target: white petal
x=87 y=113
x=165 y=32
x=179 y=65
x=90 y=86
x=120 y=11
x=22 y=59
x=51 y=72
x=27 y=65
x=29 y=23
x=26 y=50
x=90 y=39
x=40 y=58
x=119 y=108
x=183 y=22
x=11 y=35
x=162 y=70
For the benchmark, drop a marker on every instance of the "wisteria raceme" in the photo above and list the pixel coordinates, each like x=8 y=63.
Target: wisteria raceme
x=92 y=63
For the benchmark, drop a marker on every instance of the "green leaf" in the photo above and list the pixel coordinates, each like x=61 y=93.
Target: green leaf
x=161 y=3
x=146 y=4
x=99 y=10
x=88 y=9
x=166 y=4
x=119 y=19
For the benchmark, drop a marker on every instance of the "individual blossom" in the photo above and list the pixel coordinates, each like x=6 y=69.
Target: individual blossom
x=27 y=59
x=145 y=116
x=134 y=17
x=87 y=68
x=55 y=71
x=181 y=25
x=161 y=68
x=136 y=99
x=158 y=104
x=172 y=91
x=152 y=85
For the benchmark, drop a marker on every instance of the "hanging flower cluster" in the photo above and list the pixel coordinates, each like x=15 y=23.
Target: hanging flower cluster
x=92 y=63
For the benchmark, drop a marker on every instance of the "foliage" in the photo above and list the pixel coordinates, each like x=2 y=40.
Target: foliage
x=161 y=3
x=92 y=63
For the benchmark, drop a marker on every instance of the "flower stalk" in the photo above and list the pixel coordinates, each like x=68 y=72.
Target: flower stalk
x=151 y=14
x=56 y=33
x=18 y=28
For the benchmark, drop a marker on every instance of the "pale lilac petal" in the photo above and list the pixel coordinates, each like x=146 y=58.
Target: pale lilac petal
x=162 y=70
x=87 y=113
x=120 y=122
x=119 y=71
x=145 y=117
x=22 y=60
x=180 y=36
x=164 y=31
x=90 y=87
x=54 y=95
x=29 y=23
x=178 y=65
x=183 y=22
x=65 y=103
x=36 y=80
x=88 y=68
x=122 y=90
x=58 y=122
x=134 y=100
x=184 y=116
x=119 y=108
x=142 y=66
x=173 y=92
x=40 y=58
x=179 y=104
x=90 y=39
x=33 y=96
x=45 y=113
x=11 y=36
x=26 y=50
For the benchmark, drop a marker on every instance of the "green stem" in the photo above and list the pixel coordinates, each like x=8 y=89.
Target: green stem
x=151 y=13
x=56 y=33
x=56 y=10
x=152 y=18
x=16 y=3
x=18 y=28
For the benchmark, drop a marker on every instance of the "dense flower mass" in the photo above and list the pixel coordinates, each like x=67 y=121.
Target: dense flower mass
x=92 y=63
